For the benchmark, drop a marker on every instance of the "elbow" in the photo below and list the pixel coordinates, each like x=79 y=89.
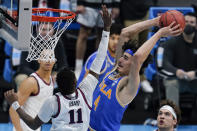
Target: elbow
x=125 y=34
x=33 y=126
x=139 y=59
x=95 y=74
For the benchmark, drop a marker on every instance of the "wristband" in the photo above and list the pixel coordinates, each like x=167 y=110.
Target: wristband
x=15 y=105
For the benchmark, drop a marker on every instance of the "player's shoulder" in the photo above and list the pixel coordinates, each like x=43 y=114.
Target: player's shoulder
x=92 y=56
x=52 y=101
x=90 y=60
x=53 y=98
x=29 y=84
x=30 y=80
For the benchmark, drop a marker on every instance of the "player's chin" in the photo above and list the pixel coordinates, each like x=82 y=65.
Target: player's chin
x=119 y=69
x=114 y=50
x=48 y=68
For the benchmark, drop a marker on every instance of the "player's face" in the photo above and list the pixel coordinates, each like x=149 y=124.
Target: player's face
x=165 y=120
x=124 y=64
x=191 y=20
x=113 y=41
x=45 y=29
x=47 y=60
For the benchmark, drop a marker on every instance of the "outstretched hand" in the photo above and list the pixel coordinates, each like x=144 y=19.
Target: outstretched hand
x=107 y=18
x=11 y=96
x=171 y=30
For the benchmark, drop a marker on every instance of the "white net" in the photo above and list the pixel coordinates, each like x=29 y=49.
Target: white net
x=45 y=35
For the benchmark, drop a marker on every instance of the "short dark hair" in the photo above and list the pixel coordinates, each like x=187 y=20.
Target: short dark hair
x=134 y=45
x=174 y=106
x=66 y=81
x=116 y=29
x=190 y=14
x=131 y=44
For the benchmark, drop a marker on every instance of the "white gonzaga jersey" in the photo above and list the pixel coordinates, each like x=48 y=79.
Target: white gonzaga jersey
x=34 y=102
x=73 y=114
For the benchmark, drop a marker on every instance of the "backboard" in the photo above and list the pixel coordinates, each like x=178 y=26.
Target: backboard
x=15 y=22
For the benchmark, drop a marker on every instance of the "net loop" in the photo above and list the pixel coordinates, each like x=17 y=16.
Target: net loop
x=47 y=27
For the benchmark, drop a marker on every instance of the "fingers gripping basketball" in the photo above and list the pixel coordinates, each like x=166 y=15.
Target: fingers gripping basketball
x=172 y=15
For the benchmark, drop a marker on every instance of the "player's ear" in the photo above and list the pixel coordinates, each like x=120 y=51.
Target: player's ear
x=175 y=121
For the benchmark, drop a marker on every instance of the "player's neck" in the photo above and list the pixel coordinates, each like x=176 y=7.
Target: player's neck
x=71 y=96
x=111 y=53
x=166 y=129
x=44 y=74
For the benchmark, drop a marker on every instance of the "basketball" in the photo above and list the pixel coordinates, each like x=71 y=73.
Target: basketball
x=172 y=15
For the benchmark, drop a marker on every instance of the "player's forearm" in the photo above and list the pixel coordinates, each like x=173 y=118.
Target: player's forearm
x=15 y=119
x=102 y=52
x=143 y=52
x=27 y=119
x=140 y=26
x=119 y=50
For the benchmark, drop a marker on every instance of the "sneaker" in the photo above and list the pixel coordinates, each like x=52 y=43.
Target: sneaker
x=146 y=87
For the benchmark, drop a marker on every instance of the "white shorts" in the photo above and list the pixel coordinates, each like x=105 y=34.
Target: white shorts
x=91 y=18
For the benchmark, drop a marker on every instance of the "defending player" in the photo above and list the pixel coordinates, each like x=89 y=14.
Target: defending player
x=34 y=90
x=69 y=109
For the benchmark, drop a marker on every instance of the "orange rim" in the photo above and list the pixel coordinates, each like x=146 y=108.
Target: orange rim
x=51 y=19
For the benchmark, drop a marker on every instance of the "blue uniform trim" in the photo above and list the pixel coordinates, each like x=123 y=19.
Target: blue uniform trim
x=129 y=51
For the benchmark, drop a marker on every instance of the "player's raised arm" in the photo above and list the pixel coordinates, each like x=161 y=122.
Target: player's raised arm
x=131 y=85
x=142 y=53
x=103 y=46
x=91 y=80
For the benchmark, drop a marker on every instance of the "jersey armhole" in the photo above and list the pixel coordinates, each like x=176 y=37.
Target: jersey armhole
x=59 y=106
x=105 y=67
x=117 y=98
x=37 y=86
x=85 y=98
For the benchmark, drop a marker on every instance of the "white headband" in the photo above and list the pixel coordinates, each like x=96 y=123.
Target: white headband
x=170 y=109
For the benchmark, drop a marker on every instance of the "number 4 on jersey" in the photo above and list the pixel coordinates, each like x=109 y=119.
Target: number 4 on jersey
x=96 y=102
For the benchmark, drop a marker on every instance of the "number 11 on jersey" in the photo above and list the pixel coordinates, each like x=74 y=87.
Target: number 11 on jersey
x=72 y=112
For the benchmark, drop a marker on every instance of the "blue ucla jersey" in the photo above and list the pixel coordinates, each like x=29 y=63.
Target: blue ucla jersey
x=107 y=112
x=107 y=66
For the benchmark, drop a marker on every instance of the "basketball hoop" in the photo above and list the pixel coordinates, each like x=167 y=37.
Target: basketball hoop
x=47 y=27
